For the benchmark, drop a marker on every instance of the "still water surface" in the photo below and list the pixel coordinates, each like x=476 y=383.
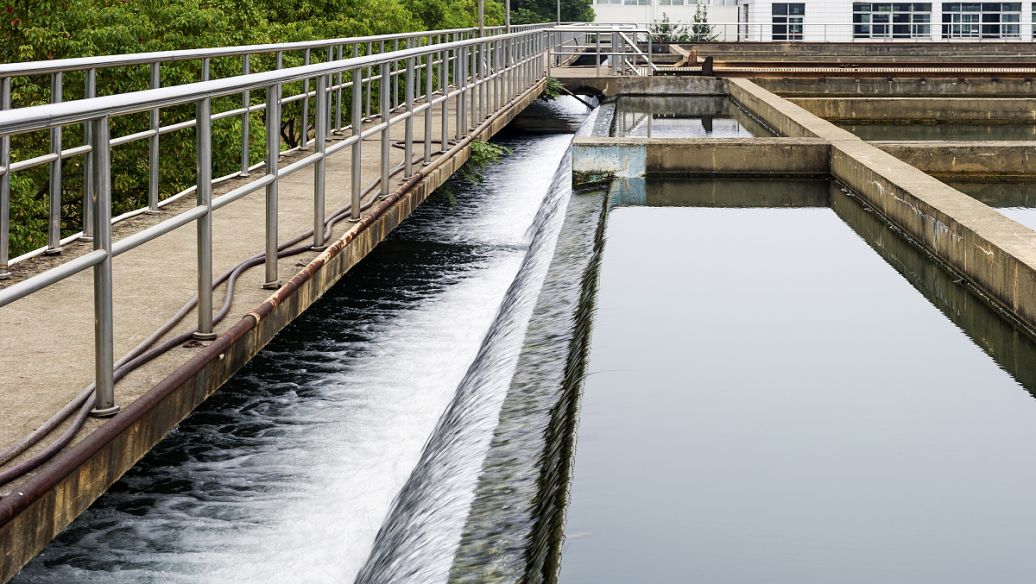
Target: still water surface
x=683 y=117
x=769 y=400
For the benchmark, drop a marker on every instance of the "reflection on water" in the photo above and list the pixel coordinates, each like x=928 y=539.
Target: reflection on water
x=683 y=117
x=948 y=131
x=1014 y=198
x=768 y=400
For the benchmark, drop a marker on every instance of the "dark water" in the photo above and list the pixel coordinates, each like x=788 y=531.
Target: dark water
x=289 y=472
x=769 y=400
x=1014 y=198
x=948 y=131
x=683 y=117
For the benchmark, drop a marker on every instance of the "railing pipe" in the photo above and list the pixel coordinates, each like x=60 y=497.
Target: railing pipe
x=153 y=149
x=357 y=126
x=386 y=142
x=88 y=163
x=104 y=339
x=408 y=123
x=320 y=166
x=204 y=225
x=5 y=186
x=273 y=152
x=246 y=121
x=54 y=222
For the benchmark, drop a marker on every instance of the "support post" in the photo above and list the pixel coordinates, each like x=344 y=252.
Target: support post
x=386 y=138
x=320 y=167
x=104 y=338
x=204 y=225
x=5 y=187
x=153 y=146
x=273 y=151
x=54 y=222
x=357 y=77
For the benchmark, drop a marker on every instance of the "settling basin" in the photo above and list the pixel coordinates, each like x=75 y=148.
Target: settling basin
x=683 y=117
x=769 y=398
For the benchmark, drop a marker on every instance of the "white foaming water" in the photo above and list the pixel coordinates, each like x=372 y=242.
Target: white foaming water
x=320 y=451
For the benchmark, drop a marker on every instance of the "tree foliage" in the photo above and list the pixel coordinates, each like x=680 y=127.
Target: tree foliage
x=55 y=29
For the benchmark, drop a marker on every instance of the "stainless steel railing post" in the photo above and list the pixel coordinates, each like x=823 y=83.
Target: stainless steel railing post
x=5 y=186
x=429 y=75
x=246 y=119
x=357 y=123
x=408 y=124
x=386 y=141
x=204 y=225
x=273 y=151
x=153 y=148
x=304 y=141
x=104 y=340
x=460 y=80
x=88 y=164
x=320 y=166
x=54 y=222
x=444 y=85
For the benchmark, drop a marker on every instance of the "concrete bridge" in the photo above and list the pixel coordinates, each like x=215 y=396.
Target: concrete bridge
x=152 y=315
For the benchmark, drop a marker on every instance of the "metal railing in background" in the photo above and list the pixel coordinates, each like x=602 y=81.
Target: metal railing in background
x=58 y=71
x=828 y=32
x=616 y=47
x=465 y=80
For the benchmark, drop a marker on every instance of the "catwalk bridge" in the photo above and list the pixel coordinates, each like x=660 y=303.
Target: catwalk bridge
x=156 y=308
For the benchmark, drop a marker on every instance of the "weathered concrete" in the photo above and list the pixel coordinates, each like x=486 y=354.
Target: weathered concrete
x=899 y=86
x=737 y=192
x=995 y=253
x=967 y=159
x=877 y=52
x=921 y=109
x=160 y=395
x=578 y=79
x=638 y=157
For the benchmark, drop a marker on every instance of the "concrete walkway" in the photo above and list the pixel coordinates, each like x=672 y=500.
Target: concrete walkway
x=47 y=340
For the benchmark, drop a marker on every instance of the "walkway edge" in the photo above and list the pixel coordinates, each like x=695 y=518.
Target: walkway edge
x=66 y=486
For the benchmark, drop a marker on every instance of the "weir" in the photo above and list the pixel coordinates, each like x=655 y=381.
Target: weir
x=688 y=288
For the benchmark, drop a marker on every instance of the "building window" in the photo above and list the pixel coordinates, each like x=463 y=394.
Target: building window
x=892 y=20
x=986 y=20
x=787 y=20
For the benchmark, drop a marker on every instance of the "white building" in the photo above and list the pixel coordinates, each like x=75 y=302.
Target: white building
x=836 y=20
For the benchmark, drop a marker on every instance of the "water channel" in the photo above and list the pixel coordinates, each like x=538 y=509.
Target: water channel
x=778 y=387
x=768 y=399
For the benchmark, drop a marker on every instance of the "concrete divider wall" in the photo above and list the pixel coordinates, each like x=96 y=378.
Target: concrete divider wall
x=973 y=87
x=967 y=159
x=994 y=253
x=921 y=109
x=593 y=158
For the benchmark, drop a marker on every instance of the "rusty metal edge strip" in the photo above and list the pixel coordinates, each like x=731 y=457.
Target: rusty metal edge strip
x=65 y=463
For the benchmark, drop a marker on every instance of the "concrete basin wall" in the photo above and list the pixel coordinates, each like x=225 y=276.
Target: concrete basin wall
x=922 y=109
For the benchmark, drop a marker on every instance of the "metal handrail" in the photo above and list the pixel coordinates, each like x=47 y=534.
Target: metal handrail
x=58 y=70
x=840 y=32
x=486 y=74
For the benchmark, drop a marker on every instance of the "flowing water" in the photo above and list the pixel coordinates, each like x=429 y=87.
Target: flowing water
x=289 y=472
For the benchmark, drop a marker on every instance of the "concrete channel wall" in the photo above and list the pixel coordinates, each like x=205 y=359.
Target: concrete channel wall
x=47 y=502
x=993 y=253
x=900 y=86
x=921 y=109
x=967 y=159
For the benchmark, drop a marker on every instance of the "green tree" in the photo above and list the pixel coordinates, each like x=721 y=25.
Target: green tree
x=55 y=29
